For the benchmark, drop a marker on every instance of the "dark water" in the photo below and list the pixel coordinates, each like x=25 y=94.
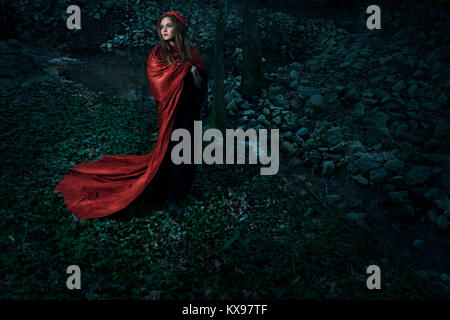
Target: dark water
x=116 y=72
x=124 y=71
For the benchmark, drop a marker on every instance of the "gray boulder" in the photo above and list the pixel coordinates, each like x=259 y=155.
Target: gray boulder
x=394 y=165
x=316 y=100
x=418 y=175
x=365 y=164
x=378 y=175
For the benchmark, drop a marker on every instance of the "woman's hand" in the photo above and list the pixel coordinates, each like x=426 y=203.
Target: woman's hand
x=197 y=77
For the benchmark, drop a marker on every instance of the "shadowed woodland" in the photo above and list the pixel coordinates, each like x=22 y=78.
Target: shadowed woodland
x=364 y=152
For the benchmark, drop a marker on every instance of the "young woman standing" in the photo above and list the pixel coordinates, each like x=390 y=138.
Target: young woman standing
x=175 y=51
x=178 y=83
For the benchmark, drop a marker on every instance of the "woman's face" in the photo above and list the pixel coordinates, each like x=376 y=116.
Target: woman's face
x=167 y=28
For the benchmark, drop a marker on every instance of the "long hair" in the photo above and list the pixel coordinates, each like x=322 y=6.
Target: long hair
x=181 y=42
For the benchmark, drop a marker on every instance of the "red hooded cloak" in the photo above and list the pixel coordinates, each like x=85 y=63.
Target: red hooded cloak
x=108 y=185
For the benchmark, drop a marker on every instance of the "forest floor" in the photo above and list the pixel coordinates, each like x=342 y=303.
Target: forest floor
x=250 y=236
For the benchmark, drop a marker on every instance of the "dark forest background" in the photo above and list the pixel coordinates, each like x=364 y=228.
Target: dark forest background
x=364 y=169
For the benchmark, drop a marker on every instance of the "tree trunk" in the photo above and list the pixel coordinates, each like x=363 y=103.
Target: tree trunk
x=218 y=113
x=251 y=53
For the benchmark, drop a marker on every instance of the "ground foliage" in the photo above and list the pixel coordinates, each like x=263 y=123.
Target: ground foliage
x=249 y=236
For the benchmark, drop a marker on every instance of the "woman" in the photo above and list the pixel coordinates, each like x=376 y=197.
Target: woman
x=178 y=83
x=175 y=50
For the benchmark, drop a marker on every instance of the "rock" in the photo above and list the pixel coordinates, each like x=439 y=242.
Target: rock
x=232 y=106
x=288 y=146
x=444 y=162
x=293 y=74
x=430 y=274
x=248 y=113
x=398 y=86
x=359 y=110
x=340 y=147
x=386 y=98
x=418 y=243
x=277 y=120
x=418 y=175
x=442 y=222
x=408 y=210
x=14 y=43
x=351 y=95
x=280 y=100
x=398 y=196
x=302 y=132
x=299 y=141
x=357 y=217
x=380 y=119
x=432 y=215
x=237 y=96
x=442 y=99
x=444 y=205
x=435 y=193
x=432 y=146
x=335 y=135
x=327 y=167
x=437 y=69
x=26 y=36
x=351 y=168
x=313 y=65
x=360 y=179
x=387 y=187
x=308 y=91
x=333 y=199
x=378 y=175
x=293 y=84
x=316 y=100
x=394 y=165
x=365 y=164
x=340 y=89
x=287 y=135
x=444 y=181
x=246 y=105
x=295 y=103
x=356 y=146
x=377 y=120
x=402 y=135
x=275 y=90
x=261 y=118
x=431 y=106
x=360 y=64
x=412 y=90
x=228 y=98
x=441 y=129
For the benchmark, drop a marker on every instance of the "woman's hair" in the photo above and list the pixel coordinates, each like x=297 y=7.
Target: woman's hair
x=181 y=42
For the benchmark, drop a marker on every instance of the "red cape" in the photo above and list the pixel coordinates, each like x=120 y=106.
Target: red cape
x=105 y=186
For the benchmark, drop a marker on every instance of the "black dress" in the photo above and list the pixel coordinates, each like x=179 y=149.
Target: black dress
x=178 y=179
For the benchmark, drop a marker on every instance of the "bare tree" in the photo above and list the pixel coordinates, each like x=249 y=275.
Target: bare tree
x=251 y=52
x=218 y=113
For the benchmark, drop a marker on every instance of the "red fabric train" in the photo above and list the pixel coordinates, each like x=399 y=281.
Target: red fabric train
x=108 y=185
